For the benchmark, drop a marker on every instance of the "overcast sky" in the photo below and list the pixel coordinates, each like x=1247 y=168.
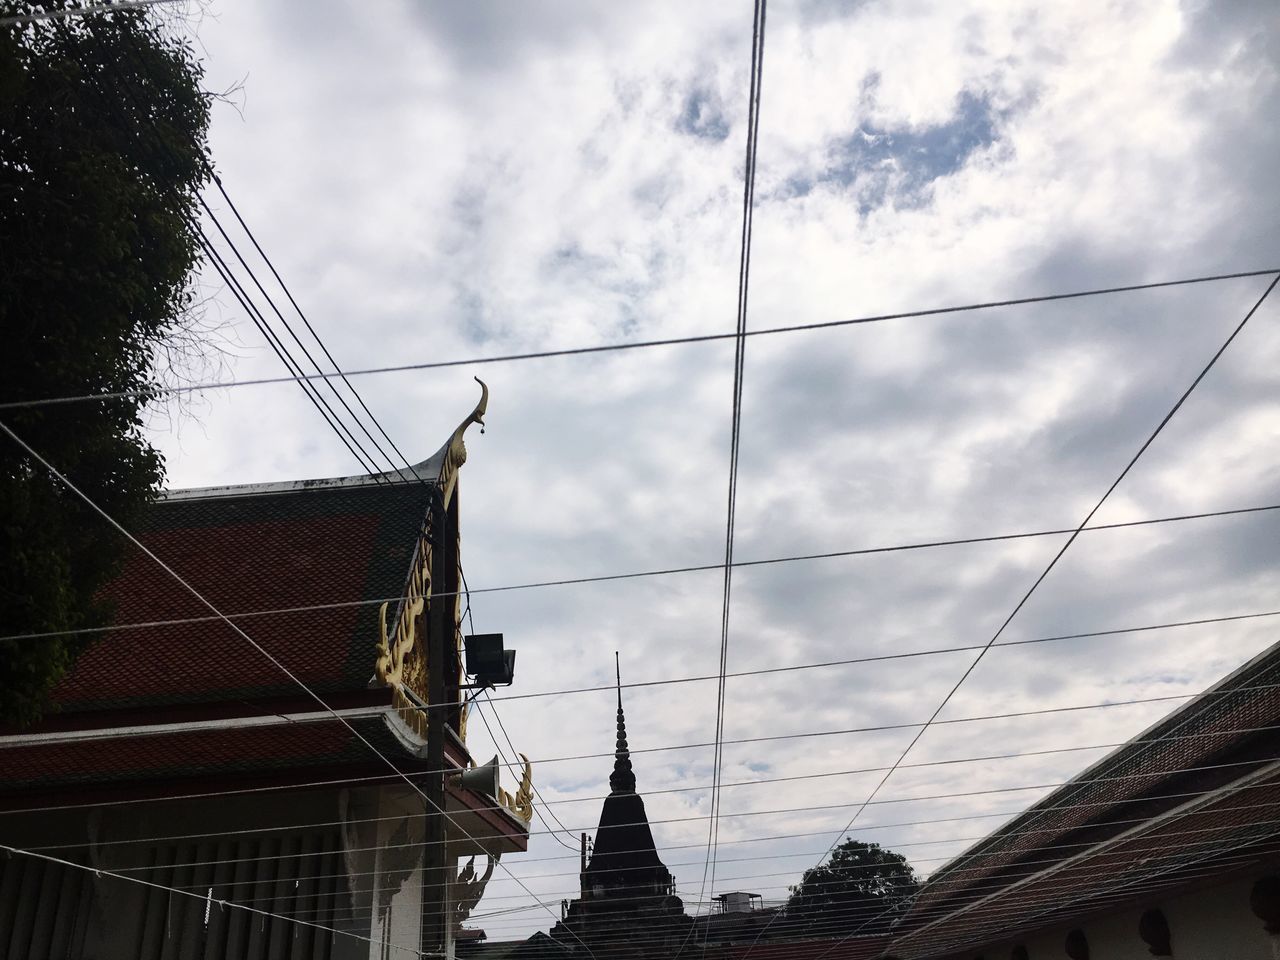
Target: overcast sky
x=440 y=181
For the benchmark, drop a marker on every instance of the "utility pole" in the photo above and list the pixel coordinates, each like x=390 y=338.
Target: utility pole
x=441 y=627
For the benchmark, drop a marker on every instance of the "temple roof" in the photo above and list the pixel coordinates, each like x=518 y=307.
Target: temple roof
x=301 y=566
x=1150 y=816
x=257 y=553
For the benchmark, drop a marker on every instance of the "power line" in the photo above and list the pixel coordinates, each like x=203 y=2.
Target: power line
x=641 y=344
x=669 y=571
x=296 y=339
x=1043 y=711
x=949 y=761
x=977 y=888
x=546 y=812
x=981 y=886
x=1214 y=852
x=1104 y=802
x=1063 y=549
x=251 y=309
x=735 y=432
x=1052 y=563
x=246 y=301
x=280 y=280
x=791 y=856
x=953 y=795
x=259 y=319
x=763 y=671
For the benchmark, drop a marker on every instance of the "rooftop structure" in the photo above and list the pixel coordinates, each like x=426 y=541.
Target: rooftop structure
x=1180 y=821
x=189 y=753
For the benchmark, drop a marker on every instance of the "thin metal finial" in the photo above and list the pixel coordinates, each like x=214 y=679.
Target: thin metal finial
x=623 y=779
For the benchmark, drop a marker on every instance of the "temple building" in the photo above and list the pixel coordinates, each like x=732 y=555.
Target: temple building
x=1168 y=847
x=627 y=907
x=244 y=778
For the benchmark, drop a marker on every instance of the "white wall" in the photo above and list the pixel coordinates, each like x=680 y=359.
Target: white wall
x=1214 y=923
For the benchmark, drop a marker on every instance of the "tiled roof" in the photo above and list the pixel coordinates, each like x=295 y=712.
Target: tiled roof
x=262 y=548
x=1205 y=748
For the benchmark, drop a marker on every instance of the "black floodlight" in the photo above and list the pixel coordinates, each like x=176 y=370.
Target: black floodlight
x=488 y=662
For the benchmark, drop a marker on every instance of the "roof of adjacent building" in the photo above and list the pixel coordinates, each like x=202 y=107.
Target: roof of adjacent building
x=1196 y=792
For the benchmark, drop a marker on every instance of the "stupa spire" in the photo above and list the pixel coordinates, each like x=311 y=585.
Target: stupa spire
x=623 y=779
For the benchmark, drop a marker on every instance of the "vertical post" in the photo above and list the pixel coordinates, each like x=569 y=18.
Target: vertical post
x=582 y=869
x=441 y=626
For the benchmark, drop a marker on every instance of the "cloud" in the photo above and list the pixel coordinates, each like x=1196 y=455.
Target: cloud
x=439 y=183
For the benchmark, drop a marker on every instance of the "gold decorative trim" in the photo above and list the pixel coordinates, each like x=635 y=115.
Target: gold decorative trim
x=455 y=451
x=401 y=661
x=522 y=806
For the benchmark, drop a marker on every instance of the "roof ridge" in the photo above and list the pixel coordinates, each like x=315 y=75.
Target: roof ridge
x=425 y=470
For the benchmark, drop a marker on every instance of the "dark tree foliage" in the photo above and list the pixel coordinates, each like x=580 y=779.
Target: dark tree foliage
x=863 y=887
x=103 y=129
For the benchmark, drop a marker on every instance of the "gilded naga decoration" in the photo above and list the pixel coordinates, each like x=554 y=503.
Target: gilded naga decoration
x=523 y=803
x=401 y=662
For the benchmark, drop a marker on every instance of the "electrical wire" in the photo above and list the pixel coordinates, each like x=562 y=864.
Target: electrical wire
x=19 y=743
x=545 y=812
x=261 y=321
x=298 y=341
x=1160 y=852
x=251 y=309
x=642 y=344
x=1053 y=562
x=1271 y=804
x=241 y=294
x=574 y=581
x=955 y=795
x=289 y=294
x=949 y=761
x=794 y=736
x=735 y=433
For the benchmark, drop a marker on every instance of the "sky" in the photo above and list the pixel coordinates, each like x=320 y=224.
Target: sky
x=438 y=182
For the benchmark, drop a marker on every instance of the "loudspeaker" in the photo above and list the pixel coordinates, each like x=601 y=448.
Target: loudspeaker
x=479 y=779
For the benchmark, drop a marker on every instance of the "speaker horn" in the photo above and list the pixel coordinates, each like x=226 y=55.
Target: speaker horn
x=482 y=780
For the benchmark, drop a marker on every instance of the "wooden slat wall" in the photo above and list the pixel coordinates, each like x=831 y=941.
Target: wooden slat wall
x=46 y=909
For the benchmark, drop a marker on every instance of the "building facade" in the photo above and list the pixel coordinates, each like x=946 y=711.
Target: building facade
x=243 y=778
x=1167 y=847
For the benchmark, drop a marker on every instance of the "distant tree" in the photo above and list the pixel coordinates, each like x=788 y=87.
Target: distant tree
x=862 y=886
x=103 y=129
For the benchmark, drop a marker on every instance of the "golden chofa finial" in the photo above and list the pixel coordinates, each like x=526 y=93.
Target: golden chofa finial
x=477 y=415
x=455 y=451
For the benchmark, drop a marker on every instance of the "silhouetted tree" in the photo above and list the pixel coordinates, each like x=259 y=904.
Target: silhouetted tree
x=863 y=887
x=103 y=129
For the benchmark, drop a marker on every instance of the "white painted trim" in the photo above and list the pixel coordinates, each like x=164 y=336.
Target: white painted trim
x=428 y=470
x=192 y=726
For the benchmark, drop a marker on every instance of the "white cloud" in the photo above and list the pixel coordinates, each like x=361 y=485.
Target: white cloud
x=436 y=183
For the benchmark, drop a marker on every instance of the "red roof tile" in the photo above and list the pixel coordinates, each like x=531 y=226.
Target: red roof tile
x=255 y=552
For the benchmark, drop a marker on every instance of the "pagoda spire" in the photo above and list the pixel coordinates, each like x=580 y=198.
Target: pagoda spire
x=623 y=779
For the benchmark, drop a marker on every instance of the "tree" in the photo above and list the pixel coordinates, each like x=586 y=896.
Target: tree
x=862 y=887
x=103 y=130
